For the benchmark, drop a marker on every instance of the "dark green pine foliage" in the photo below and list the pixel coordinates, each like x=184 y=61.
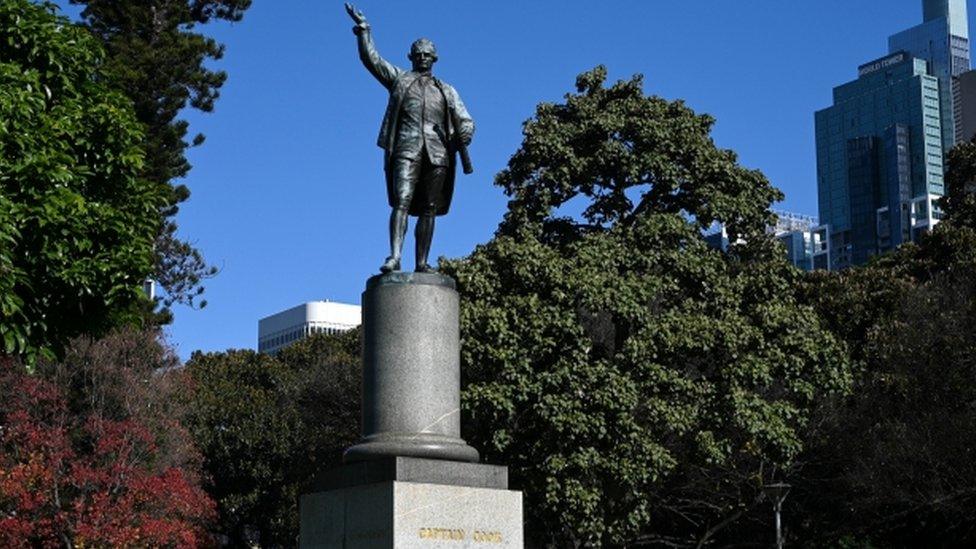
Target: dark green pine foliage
x=158 y=58
x=641 y=385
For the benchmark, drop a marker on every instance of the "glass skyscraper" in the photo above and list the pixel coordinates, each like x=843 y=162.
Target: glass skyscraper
x=942 y=40
x=880 y=147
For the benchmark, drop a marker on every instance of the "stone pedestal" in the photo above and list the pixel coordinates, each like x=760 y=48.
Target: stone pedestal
x=411 y=370
x=411 y=481
x=407 y=502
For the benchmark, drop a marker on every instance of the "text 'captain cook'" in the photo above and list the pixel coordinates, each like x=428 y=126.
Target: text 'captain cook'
x=424 y=128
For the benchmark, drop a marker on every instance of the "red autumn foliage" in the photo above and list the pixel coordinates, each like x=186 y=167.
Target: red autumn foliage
x=71 y=480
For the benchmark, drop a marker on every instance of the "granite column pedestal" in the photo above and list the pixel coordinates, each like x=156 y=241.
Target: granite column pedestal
x=411 y=481
x=411 y=370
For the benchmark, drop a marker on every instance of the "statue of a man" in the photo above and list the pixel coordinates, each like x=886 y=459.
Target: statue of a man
x=425 y=125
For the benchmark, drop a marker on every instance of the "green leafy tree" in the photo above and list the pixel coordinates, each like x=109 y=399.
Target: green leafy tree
x=910 y=476
x=266 y=425
x=893 y=464
x=960 y=199
x=78 y=219
x=243 y=418
x=641 y=385
x=330 y=372
x=158 y=58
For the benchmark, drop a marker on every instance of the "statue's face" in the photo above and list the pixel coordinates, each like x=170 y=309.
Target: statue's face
x=423 y=57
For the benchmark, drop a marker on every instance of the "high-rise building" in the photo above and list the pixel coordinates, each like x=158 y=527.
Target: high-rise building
x=881 y=146
x=807 y=242
x=942 y=40
x=967 y=103
x=282 y=329
x=879 y=158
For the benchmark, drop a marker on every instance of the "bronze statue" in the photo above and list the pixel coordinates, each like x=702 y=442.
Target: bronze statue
x=424 y=128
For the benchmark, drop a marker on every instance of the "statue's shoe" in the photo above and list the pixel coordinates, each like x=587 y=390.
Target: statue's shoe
x=424 y=268
x=391 y=264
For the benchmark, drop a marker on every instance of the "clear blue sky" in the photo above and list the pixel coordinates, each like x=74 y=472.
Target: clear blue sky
x=288 y=194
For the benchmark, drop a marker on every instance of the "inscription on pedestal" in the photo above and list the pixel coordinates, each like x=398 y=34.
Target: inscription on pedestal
x=458 y=534
x=405 y=514
x=455 y=516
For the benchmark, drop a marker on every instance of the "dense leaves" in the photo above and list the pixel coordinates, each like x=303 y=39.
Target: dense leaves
x=92 y=452
x=158 y=58
x=893 y=464
x=129 y=375
x=642 y=385
x=77 y=222
x=960 y=200
x=624 y=154
x=266 y=425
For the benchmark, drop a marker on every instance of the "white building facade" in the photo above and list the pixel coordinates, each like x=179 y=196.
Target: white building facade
x=807 y=242
x=280 y=330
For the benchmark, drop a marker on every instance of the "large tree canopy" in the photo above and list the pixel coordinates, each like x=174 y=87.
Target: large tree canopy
x=625 y=154
x=267 y=424
x=156 y=55
x=641 y=384
x=77 y=221
x=893 y=464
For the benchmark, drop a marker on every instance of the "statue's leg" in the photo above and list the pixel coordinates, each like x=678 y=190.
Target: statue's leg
x=424 y=233
x=398 y=229
x=433 y=183
x=405 y=179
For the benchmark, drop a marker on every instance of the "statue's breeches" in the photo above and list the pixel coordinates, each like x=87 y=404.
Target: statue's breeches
x=418 y=182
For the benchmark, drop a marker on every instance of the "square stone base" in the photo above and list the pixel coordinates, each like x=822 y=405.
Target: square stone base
x=402 y=515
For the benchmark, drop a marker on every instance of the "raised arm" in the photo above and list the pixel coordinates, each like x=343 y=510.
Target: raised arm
x=383 y=70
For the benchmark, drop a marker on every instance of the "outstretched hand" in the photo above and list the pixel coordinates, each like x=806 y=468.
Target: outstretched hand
x=358 y=17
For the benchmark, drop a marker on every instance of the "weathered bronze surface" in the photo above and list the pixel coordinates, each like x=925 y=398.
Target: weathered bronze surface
x=424 y=129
